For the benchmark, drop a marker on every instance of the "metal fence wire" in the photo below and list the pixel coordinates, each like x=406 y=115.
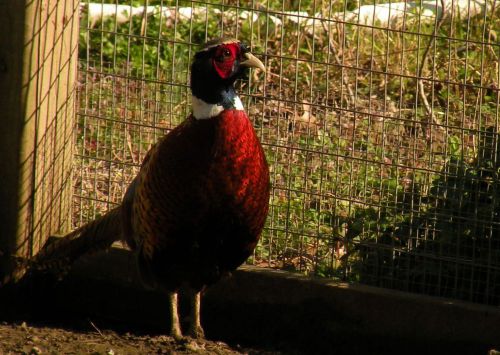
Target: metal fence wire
x=380 y=121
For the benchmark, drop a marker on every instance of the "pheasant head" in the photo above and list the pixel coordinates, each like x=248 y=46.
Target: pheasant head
x=214 y=70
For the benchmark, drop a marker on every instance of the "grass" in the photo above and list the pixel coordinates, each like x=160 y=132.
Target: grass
x=366 y=187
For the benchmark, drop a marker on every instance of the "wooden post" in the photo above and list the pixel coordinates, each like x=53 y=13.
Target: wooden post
x=38 y=61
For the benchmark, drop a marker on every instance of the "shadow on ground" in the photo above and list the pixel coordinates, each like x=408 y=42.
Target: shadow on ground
x=267 y=310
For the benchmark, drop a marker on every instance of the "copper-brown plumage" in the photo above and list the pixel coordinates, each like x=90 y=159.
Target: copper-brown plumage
x=199 y=202
x=197 y=207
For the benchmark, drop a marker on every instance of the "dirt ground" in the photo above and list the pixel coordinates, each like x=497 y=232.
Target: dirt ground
x=252 y=313
x=30 y=339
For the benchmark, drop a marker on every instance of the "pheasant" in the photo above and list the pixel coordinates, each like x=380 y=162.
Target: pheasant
x=198 y=205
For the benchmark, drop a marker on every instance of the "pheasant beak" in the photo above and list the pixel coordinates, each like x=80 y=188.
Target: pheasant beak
x=252 y=61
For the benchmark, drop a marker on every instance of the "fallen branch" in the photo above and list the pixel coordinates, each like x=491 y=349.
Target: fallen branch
x=420 y=82
x=345 y=79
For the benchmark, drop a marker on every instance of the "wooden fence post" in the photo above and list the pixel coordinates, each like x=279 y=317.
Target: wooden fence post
x=38 y=61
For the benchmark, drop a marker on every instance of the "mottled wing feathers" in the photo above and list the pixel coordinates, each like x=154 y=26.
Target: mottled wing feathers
x=168 y=184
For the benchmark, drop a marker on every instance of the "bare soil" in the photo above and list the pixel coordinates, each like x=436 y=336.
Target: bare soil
x=22 y=338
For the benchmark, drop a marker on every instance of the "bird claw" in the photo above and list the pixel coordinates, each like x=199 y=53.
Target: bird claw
x=177 y=335
x=196 y=332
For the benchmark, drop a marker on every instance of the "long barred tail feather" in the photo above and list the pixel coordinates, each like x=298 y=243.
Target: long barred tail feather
x=20 y=266
x=60 y=254
x=92 y=237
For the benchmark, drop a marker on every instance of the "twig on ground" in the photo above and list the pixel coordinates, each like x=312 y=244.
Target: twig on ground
x=345 y=80
x=96 y=329
x=129 y=146
x=420 y=82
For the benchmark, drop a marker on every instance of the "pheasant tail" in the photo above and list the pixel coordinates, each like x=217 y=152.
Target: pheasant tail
x=96 y=235
x=59 y=254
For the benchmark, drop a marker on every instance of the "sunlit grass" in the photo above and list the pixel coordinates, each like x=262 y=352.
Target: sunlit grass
x=355 y=158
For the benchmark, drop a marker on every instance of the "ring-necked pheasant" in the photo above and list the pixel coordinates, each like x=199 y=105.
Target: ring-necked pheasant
x=197 y=207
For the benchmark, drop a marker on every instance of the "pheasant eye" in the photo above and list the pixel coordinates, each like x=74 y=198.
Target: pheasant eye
x=223 y=55
x=224 y=59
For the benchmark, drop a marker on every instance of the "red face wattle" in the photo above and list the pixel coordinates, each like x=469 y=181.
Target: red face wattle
x=225 y=58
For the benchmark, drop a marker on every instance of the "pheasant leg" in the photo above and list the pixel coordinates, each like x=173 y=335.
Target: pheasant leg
x=195 y=329
x=175 y=327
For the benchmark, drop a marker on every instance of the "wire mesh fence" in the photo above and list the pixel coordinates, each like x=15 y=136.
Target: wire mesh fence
x=380 y=123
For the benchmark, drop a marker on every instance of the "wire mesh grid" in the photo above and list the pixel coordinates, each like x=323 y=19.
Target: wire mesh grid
x=379 y=121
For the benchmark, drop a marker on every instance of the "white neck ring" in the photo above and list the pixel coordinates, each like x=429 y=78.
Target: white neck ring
x=203 y=110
